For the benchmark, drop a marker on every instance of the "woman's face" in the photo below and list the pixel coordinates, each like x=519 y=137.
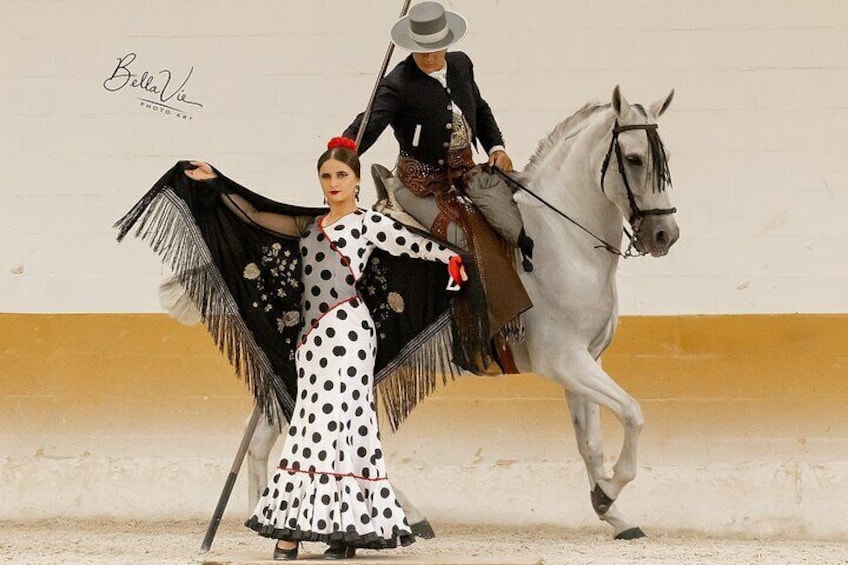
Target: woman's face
x=430 y=62
x=338 y=181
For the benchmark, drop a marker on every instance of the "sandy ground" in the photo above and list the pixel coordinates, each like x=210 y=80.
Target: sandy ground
x=172 y=543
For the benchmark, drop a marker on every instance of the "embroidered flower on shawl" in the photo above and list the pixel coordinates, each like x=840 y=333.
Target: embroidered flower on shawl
x=382 y=286
x=379 y=273
x=289 y=320
x=275 y=277
x=396 y=302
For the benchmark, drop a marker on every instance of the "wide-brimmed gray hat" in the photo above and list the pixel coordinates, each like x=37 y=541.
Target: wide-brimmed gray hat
x=427 y=28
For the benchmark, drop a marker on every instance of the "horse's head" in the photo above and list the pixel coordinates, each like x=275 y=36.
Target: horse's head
x=634 y=174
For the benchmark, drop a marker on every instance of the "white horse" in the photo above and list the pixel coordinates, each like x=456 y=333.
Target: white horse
x=601 y=166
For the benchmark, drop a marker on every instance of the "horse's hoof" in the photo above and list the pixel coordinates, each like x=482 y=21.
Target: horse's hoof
x=600 y=501
x=423 y=529
x=632 y=533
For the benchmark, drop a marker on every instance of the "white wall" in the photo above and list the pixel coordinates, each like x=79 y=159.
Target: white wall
x=756 y=130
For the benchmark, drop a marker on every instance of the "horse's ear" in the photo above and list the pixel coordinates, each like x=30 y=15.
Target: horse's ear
x=620 y=103
x=660 y=106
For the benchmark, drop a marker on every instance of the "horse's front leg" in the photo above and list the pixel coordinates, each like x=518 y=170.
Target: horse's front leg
x=586 y=379
x=585 y=416
x=264 y=437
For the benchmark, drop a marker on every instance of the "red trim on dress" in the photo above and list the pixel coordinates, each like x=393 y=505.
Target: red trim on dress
x=334 y=248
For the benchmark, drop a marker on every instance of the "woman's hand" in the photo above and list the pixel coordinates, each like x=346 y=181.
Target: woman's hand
x=203 y=171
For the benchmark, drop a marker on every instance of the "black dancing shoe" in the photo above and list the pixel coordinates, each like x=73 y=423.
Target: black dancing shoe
x=281 y=554
x=340 y=551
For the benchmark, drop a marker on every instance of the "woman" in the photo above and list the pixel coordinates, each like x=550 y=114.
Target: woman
x=331 y=483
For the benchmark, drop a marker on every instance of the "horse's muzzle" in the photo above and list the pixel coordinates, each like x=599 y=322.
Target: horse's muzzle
x=657 y=234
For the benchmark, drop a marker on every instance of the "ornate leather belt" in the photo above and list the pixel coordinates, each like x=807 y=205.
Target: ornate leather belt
x=423 y=179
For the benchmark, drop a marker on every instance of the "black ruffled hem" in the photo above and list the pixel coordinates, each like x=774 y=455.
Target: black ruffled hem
x=353 y=539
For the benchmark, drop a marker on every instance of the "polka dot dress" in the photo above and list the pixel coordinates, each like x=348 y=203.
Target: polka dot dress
x=331 y=482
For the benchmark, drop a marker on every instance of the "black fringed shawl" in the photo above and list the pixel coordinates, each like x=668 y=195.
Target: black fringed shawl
x=245 y=280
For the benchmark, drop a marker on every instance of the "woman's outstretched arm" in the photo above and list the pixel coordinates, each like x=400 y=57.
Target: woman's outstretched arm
x=393 y=237
x=244 y=210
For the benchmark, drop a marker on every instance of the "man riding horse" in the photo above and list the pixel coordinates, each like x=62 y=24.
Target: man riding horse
x=434 y=106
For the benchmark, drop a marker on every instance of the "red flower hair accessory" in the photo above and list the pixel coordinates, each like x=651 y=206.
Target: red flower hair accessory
x=345 y=142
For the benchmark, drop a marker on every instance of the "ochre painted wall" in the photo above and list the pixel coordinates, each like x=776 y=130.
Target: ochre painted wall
x=788 y=372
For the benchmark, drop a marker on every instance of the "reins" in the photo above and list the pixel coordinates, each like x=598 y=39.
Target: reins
x=636 y=216
x=603 y=243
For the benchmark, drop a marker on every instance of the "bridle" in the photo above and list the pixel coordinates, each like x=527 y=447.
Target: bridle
x=660 y=167
x=661 y=172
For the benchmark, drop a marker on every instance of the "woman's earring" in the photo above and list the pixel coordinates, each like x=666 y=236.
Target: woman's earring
x=325 y=201
x=356 y=194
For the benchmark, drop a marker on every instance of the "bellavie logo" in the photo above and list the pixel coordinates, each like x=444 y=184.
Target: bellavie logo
x=159 y=92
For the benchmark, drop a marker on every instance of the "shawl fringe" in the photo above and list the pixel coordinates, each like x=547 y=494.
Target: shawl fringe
x=413 y=375
x=163 y=220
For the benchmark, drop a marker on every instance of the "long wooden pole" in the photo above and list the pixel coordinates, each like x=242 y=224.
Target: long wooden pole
x=212 y=529
x=389 y=50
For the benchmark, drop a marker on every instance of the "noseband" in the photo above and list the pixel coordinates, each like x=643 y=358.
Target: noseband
x=660 y=169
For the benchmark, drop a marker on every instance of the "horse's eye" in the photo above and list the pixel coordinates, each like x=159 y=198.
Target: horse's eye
x=634 y=160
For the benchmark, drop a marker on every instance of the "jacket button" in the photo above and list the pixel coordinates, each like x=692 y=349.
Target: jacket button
x=450 y=107
x=448 y=89
x=441 y=161
x=448 y=126
x=446 y=144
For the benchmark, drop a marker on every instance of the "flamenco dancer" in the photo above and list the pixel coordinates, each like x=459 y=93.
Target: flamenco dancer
x=330 y=289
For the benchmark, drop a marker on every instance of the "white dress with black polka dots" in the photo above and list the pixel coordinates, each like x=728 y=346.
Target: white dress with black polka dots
x=331 y=482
